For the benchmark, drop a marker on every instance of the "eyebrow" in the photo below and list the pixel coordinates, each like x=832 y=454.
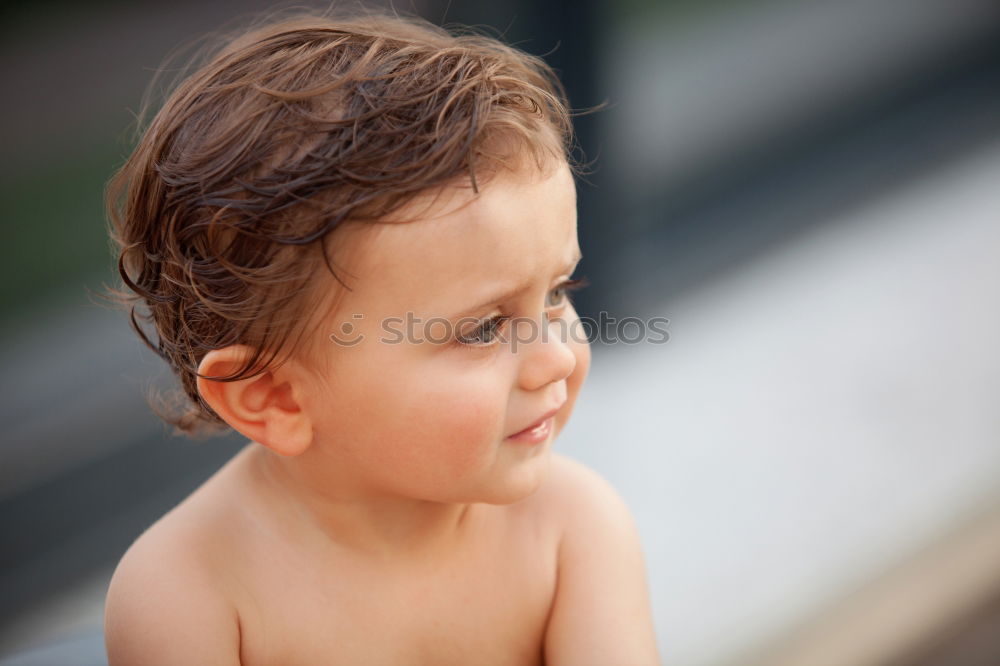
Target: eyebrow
x=518 y=290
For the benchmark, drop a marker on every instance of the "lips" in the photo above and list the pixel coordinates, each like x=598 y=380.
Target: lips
x=542 y=419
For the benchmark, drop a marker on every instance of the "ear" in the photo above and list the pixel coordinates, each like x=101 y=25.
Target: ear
x=265 y=408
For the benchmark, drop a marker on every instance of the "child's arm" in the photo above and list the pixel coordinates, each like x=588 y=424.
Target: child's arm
x=163 y=610
x=601 y=614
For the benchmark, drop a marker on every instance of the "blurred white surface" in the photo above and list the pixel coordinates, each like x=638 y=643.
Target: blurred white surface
x=815 y=419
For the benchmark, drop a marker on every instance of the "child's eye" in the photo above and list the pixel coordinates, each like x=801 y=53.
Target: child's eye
x=560 y=295
x=484 y=334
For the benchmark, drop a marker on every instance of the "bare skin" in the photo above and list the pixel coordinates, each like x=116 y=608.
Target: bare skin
x=281 y=593
x=383 y=513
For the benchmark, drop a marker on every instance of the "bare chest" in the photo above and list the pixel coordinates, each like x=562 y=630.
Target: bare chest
x=487 y=608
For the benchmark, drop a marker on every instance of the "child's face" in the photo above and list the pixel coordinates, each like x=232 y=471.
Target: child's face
x=424 y=415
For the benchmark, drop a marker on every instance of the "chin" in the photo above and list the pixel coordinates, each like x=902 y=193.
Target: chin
x=519 y=482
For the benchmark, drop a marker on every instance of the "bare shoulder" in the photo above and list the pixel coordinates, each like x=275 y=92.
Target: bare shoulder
x=601 y=613
x=167 y=602
x=576 y=497
x=573 y=480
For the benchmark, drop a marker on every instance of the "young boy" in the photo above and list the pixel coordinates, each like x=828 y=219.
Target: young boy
x=355 y=240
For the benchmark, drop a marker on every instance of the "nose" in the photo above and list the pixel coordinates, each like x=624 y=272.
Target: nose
x=546 y=356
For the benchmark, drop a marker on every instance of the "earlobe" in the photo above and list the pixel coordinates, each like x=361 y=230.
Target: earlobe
x=264 y=408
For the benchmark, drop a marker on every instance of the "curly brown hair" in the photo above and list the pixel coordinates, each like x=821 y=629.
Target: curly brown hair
x=222 y=211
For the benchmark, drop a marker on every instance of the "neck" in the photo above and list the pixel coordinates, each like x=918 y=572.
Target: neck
x=381 y=525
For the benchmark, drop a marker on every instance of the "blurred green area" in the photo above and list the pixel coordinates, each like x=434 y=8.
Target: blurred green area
x=56 y=233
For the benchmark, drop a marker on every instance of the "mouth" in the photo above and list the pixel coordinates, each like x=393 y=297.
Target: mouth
x=538 y=431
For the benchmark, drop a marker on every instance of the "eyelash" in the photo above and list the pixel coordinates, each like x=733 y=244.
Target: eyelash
x=569 y=286
x=492 y=325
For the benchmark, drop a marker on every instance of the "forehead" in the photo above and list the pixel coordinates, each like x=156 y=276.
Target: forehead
x=456 y=246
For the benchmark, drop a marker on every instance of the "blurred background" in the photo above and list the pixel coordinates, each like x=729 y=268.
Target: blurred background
x=809 y=191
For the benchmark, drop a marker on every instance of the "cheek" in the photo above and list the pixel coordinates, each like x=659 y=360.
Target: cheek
x=453 y=419
x=581 y=350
